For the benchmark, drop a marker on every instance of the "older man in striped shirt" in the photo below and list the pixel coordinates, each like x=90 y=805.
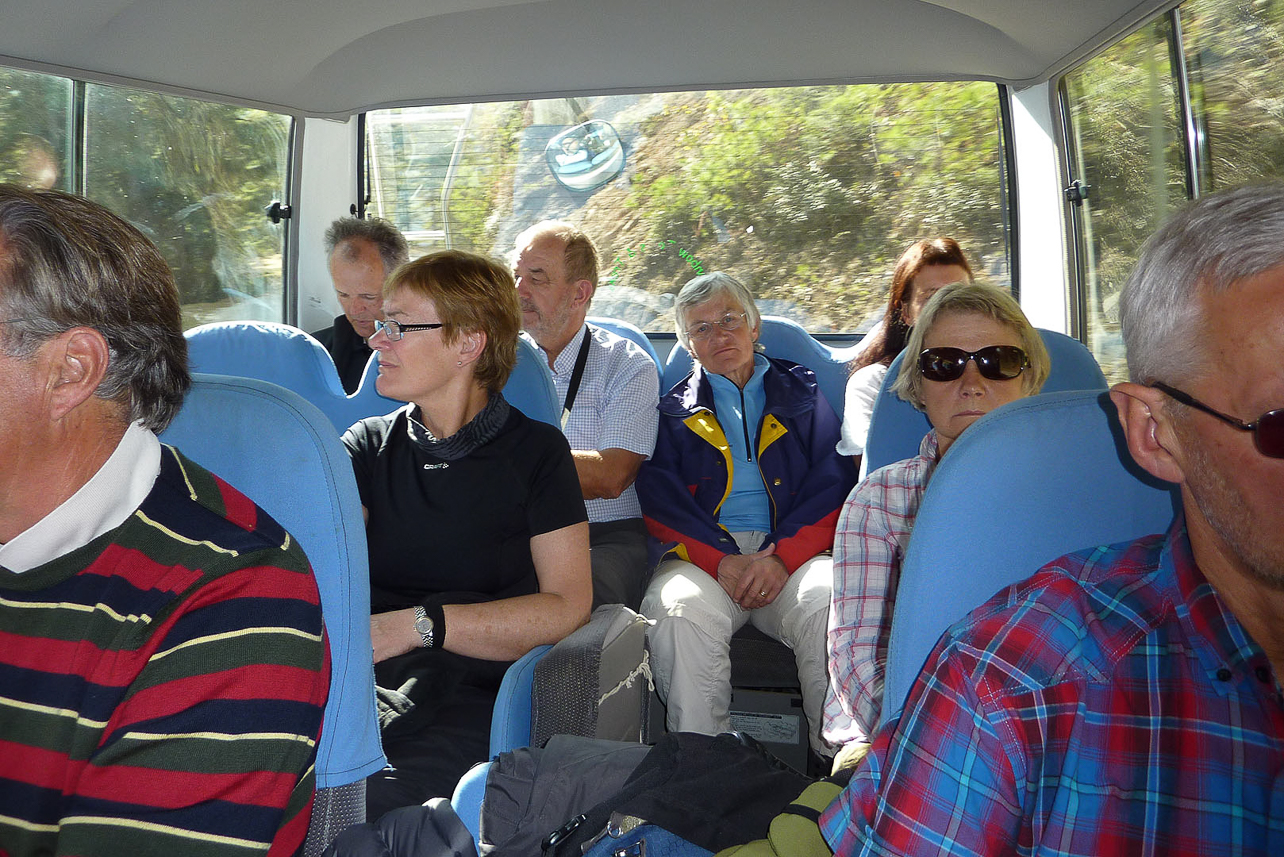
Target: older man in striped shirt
x=163 y=665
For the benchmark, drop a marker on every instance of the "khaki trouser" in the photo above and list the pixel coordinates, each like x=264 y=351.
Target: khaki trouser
x=691 y=640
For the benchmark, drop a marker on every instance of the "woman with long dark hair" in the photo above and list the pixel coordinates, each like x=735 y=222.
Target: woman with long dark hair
x=922 y=270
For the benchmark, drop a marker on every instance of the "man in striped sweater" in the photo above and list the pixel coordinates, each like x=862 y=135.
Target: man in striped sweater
x=163 y=666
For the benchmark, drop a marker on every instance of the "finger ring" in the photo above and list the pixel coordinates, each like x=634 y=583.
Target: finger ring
x=762 y=593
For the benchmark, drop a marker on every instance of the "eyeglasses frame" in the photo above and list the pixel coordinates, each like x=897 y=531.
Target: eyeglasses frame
x=720 y=324
x=1190 y=401
x=386 y=328
x=971 y=357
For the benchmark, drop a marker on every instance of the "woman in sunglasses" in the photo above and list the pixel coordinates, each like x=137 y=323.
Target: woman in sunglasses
x=975 y=350
x=922 y=269
x=476 y=528
x=742 y=492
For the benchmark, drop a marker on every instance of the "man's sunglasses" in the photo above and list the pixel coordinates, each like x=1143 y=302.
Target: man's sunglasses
x=996 y=362
x=1268 y=429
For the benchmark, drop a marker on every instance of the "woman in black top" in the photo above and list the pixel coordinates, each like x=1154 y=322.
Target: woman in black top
x=476 y=527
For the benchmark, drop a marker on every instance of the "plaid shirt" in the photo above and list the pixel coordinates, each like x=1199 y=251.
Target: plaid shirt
x=873 y=533
x=1111 y=704
x=614 y=406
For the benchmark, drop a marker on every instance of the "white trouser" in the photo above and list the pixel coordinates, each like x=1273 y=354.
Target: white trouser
x=691 y=639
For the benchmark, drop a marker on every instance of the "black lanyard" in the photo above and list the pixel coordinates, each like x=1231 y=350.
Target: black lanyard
x=576 y=376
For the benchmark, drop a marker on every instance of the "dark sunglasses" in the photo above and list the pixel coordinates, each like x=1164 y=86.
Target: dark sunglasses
x=996 y=362
x=1268 y=429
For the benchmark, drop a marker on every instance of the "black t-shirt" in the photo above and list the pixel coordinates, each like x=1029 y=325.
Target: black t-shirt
x=461 y=527
x=349 y=351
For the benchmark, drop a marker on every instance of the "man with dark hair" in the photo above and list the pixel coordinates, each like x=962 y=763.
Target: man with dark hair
x=163 y=669
x=1126 y=699
x=609 y=389
x=361 y=253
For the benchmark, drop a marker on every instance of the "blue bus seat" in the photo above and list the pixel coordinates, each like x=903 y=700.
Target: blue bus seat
x=631 y=332
x=786 y=339
x=896 y=427
x=530 y=387
x=468 y=796
x=1032 y=481
x=510 y=724
x=275 y=447
x=288 y=357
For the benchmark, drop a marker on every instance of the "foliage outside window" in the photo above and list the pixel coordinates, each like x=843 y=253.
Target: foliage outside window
x=809 y=194
x=1235 y=52
x=1128 y=145
x=194 y=176
x=1127 y=148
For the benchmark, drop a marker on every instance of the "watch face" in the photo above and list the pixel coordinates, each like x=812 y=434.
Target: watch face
x=423 y=625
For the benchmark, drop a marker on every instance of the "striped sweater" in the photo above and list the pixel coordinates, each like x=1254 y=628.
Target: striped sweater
x=161 y=687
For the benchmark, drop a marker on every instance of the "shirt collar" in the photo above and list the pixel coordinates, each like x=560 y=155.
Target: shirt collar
x=725 y=385
x=928 y=446
x=565 y=361
x=104 y=502
x=1219 y=640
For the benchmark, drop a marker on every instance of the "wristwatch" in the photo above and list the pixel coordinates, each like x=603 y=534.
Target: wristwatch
x=424 y=625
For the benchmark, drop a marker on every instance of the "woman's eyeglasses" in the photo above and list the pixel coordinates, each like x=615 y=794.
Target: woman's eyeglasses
x=394 y=330
x=996 y=362
x=1268 y=429
x=729 y=322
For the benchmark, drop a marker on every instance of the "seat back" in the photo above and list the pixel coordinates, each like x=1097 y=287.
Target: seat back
x=530 y=388
x=1032 y=481
x=787 y=340
x=896 y=427
x=279 y=450
x=288 y=357
x=510 y=724
x=631 y=332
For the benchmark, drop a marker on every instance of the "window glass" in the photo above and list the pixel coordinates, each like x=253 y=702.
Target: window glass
x=1126 y=147
x=195 y=176
x=35 y=112
x=1235 y=53
x=808 y=194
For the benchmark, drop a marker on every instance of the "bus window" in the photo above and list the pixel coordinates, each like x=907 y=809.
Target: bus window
x=193 y=175
x=1235 y=53
x=810 y=194
x=34 y=139
x=1186 y=106
x=1126 y=147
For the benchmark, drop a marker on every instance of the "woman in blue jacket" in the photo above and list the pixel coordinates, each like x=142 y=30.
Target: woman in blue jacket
x=743 y=492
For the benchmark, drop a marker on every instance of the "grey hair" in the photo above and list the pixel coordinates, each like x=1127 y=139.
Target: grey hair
x=386 y=238
x=978 y=299
x=704 y=288
x=1211 y=245
x=71 y=263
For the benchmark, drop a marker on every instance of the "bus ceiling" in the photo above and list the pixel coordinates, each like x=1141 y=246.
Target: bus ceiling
x=333 y=59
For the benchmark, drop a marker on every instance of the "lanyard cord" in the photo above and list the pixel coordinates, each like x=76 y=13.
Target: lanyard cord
x=576 y=376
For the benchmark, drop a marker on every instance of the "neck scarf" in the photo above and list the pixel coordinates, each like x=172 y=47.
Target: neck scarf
x=478 y=431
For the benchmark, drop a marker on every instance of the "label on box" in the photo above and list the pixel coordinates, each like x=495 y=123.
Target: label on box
x=776 y=728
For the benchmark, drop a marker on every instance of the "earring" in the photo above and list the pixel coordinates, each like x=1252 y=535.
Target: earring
x=459 y=363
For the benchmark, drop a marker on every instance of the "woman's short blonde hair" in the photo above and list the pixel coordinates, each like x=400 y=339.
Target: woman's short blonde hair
x=471 y=293
x=980 y=299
